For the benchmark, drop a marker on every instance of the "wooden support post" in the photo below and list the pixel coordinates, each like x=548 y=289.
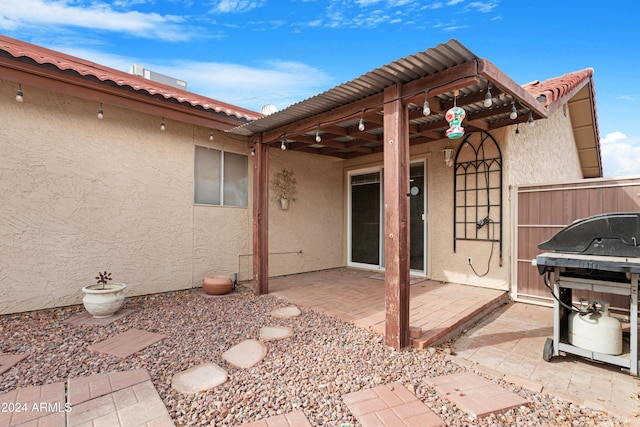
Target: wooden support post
x=261 y=219
x=396 y=218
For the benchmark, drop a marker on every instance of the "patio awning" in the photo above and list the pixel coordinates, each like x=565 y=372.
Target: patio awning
x=437 y=73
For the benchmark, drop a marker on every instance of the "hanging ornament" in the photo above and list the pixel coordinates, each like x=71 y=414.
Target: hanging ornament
x=455 y=116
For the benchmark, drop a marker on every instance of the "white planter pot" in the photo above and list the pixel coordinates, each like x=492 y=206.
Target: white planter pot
x=284 y=204
x=105 y=302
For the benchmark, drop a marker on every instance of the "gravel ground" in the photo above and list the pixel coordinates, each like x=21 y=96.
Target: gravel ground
x=324 y=359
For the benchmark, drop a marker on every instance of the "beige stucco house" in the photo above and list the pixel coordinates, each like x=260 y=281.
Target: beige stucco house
x=161 y=209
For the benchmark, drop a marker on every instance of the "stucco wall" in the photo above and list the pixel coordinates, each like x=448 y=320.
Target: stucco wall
x=543 y=153
x=81 y=195
x=309 y=235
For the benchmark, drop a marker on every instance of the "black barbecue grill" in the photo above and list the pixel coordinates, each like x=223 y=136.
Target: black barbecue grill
x=602 y=254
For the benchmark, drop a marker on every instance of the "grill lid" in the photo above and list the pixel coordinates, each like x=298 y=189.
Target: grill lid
x=612 y=234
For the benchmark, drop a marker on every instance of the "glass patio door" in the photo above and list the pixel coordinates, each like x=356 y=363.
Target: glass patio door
x=417 y=218
x=366 y=222
x=366 y=215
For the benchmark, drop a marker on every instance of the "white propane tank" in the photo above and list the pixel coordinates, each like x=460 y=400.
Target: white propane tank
x=596 y=331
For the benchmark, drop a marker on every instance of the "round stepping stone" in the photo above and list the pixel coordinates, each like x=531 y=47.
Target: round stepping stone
x=286 y=312
x=246 y=354
x=199 y=378
x=275 y=332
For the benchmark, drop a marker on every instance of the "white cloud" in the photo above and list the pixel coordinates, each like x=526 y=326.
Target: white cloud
x=64 y=13
x=620 y=155
x=483 y=6
x=236 y=6
x=366 y=2
x=613 y=137
x=280 y=83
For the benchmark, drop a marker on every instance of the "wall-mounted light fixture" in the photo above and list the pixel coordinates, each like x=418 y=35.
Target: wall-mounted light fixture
x=447 y=155
x=19 y=94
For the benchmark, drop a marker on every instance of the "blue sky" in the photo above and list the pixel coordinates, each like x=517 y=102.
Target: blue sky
x=254 y=52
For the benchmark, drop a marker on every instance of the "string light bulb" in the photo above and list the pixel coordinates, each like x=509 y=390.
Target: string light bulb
x=514 y=113
x=426 y=110
x=100 y=112
x=530 y=119
x=283 y=145
x=162 y=125
x=318 y=137
x=19 y=94
x=211 y=135
x=253 y=151
x=488 y=101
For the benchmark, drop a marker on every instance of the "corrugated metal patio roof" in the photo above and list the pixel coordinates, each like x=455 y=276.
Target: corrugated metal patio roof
x=437 y=73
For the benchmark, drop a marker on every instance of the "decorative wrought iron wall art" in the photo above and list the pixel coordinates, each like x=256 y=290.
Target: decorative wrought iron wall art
x=477 y=187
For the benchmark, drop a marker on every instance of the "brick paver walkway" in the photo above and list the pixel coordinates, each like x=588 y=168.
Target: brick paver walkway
x=8 y=360
x=475 y=395
x=292 y=419
x=127 y=343
x=510 y=341
x=390 y=405
x=116 y=399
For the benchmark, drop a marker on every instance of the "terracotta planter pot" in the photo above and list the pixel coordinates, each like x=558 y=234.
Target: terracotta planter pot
x=217 y=285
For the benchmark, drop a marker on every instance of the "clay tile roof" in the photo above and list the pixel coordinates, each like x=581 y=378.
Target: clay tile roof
x=557 y=87
x=564 y=90
x=43 y=56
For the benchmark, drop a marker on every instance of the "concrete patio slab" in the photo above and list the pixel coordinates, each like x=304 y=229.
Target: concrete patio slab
x=127 y=343
x=117 y=399
x=246 y=354
x=286 y=312
x=390 y=405
x=199 y=378
x=82 y=389
x=38 y=405
x=87 y=319
x=137 y=405
x=475 y=395
x=275 y=332
x=8 y=360
x=292 y=419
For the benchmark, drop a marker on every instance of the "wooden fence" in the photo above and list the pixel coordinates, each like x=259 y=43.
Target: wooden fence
x=540 y=211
